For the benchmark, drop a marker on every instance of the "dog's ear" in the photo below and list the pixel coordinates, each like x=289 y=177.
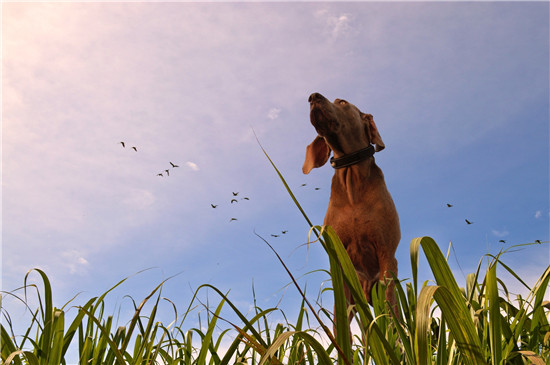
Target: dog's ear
x=372 y=132
x=317 y=154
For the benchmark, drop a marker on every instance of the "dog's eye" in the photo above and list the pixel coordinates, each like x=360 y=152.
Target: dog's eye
x=343 y=102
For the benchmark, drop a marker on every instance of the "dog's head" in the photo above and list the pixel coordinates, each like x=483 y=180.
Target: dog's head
x=342 y=128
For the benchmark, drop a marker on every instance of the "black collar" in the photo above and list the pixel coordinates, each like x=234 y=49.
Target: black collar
x=352 y=158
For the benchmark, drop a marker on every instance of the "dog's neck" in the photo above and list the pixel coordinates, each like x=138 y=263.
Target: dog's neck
x=352 y=183
x=352 y=158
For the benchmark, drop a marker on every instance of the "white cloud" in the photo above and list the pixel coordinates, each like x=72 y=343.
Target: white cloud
x=335 y=25
x=538 y=214
x=340 y=25
x=193 y=166
x=500 y=233
x=75 y=262
x=273 y=113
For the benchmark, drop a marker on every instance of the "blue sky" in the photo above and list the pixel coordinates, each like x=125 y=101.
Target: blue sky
x=459 y=92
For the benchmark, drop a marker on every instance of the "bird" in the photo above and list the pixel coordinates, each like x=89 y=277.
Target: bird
x=503 y=241
x=274 y=235
x=234 y=201
x=537 y=241
x=284 y=232
x=122 y=143
x=232 y=219
x=449 y=205
x=235 y=194
x=303 y=185
x=245 y=198
x=214 y=206
x=173 y=164
x=161 y=175
x=167 y=172
x=134 y=148
x=317 y=188
x=468 y=222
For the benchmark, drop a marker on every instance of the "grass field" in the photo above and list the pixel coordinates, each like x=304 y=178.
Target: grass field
x=440 y=323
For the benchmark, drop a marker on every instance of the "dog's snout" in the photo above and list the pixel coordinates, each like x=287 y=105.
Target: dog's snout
x=315 y=97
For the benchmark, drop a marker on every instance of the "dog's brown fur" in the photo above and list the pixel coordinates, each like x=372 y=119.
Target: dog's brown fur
x=360 y=209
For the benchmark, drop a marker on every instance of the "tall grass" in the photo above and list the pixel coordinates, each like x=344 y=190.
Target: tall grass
x=438 y=324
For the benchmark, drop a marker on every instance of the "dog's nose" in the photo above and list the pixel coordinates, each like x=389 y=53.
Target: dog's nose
x=315 y=97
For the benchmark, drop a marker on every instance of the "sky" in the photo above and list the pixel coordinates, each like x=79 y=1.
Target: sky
x=459 y=92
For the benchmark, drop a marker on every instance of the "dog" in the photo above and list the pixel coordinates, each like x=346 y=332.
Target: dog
x=360 y=209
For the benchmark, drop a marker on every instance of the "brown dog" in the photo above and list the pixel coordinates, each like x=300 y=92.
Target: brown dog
x=360 y=209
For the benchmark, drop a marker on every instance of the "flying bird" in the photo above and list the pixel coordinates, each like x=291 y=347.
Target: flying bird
x=468 y=222
x=235 y=194
x=134 y=148
x=167 y=172
x=449 y=205
x=317 y=188
x=174 y=165
x=284 y=232
x=234 y=201
x=160 y=175
x=274 y=235
x=537 y=241
x=303 y=185
x=503 y=241
x=232 y=219
x=245 y=198
x=214 y=206
x=122 y=143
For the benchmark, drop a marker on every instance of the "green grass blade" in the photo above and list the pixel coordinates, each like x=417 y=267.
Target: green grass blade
x=460 y=325
x=58 y=326
x=322 y=356
x=75 y=324
x=207 y=340
x=452 y=302
x=495 y=326
x=105 y=336
x=8 y=347
x=340 y=306
x=45 y=341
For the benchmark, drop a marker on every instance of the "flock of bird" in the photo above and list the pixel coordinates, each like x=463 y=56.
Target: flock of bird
x=167 y=171
x=160 y=174
x=468 y=222
x=306 y=184
x=124 y=145
x=234 y=199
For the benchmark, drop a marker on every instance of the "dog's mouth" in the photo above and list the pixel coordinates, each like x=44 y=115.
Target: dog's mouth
x=322 y=120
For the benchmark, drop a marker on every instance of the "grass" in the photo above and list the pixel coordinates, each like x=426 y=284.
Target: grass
x=438 y=324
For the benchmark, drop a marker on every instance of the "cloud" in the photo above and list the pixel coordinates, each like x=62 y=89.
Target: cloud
x=340 y=25
x=273 y=113
x=500 y=233
x=193 y=166
x=538 y=214
x=75 y=262
x=335 y=25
